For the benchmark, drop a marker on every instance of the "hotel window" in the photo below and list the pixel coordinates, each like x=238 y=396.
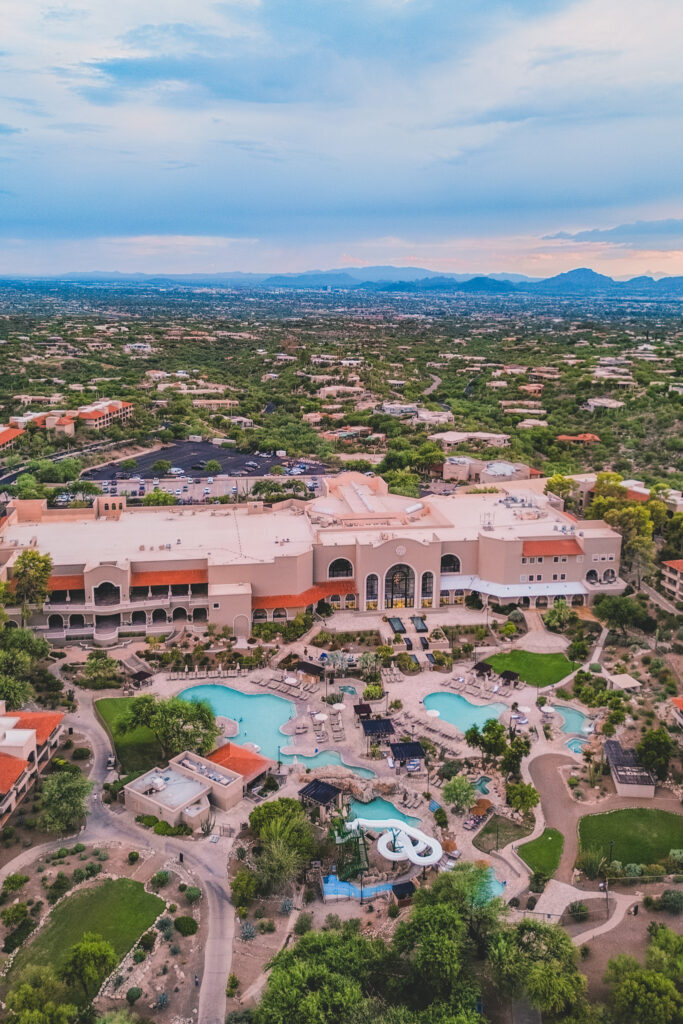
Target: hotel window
x=371 y=592
x=610 y=558
x=341 y=568
x=524 y=561
x=596 y=558
x=522 y=579
x=540 y=559
x=532 y=560
x=555 y=558
x=563 y=575
x=554 y=576
x=564 y=558
x=427 y=595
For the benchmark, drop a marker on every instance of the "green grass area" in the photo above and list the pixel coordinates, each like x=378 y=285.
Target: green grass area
x=137 y=750
x=498 y=832
x=640 y=835
x=119 y=910
x=543 y=854
x=535 y=669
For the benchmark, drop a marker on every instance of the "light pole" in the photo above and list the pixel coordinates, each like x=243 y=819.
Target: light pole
x=278 y=757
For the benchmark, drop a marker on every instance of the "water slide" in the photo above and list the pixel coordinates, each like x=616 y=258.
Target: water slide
x=401 y=841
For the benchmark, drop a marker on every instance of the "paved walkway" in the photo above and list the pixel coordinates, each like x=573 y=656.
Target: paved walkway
x=658 y=599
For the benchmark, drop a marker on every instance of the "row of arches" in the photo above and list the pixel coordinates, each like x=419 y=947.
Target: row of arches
x=159 y=616
x=342 y=568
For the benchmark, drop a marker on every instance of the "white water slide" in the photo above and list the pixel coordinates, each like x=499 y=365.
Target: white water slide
x=401 y=841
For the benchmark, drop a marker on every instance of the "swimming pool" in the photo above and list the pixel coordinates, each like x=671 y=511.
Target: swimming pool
x=380 y=808
x=482 y=784
x=457 y=710
x=494 y=886
x=576 y=744
x=260 y=717
x=574 y=721
x=333 y=888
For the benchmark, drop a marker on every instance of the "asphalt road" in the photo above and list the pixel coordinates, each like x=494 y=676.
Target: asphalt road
x=187 y=455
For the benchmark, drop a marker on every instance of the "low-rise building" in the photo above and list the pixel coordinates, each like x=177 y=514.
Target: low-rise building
x=450 y=439
x=672 y=579
x=628 y=775
x=9 y=437
x=28 y=740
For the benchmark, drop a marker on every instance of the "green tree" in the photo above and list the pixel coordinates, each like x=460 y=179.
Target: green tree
x=561 y=486
x=213 y=466
x=460 y=793
x=30 y=574
x=435 y=942
x=14 y=914
x=100 y=671
x=162 y=467
x=88 y=963
x=63 y=801
x=655 y=751
x=512 y=758
x=158 y=497
x=538 y=960
x=646 y=996
x=467 y=888
x=283 y=856
x=15 y=692
x=521 y=796
x=27 y=487
x=177 y=724
x=39 y=997
x=295 y=824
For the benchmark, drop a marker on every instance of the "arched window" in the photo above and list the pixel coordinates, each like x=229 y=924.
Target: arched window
x=592 y=576
x=609 y=576
x=341 y=568
x=399 y=587
x=259 y=615
x=334 y=600
x=107 y=593
x=371 y=591
x=450 y=563
x=279 y=613
x=350 y=602
x=427 y=591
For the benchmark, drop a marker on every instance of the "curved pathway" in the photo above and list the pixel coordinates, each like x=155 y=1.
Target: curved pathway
x=436 y=382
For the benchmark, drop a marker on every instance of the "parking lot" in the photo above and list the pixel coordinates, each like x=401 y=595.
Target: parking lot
x=187 y=455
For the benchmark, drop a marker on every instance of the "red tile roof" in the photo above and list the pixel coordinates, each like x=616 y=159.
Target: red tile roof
x=676 y=564
x=241 y=760
x=74 y=582
x=44 y=722
x=677 y=702
x=552 y=547
x=637 y=495
x=167 y=577
x=311 y=596
x=10 y=770
x=8 y=434
x=578 y=437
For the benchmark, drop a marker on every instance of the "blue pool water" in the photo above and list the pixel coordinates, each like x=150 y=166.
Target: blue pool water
x=348 y=890
x=260 y=717
x=333 y=887
x=576 y=744
x=459 y=712
x=482 y=784
x=379 y=808
x=348 y=689
x=574 y=721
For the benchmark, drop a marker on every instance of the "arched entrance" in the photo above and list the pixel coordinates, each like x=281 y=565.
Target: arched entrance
x=107 y=593
x=240 y=626
x=55 y=622
x=399 y=587
x=200 y=615
x=179 y=615
x=139 y=618
x=159 y=615
x=592 y=576
x=609 y=576
x=371 y=592
x=76 y=622
x=427 y=589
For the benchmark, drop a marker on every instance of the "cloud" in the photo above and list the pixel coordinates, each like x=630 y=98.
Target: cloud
x=643 y=234
x=8 y=129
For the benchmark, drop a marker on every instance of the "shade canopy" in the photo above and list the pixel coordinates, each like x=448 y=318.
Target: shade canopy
x=320 y=717
x=413 y=751
x=375 y=727
x=433 y=713
x=482 y=668
x=509 y=674
x=339 y=707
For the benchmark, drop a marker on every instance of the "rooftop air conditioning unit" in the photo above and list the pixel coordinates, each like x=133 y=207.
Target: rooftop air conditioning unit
x=141 y=548
x=168 y=547
x=179 y=541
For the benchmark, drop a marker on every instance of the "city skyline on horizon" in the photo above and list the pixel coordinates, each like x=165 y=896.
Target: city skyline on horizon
x=528 y=137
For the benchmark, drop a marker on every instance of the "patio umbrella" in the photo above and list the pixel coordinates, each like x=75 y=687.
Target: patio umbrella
x=339 y=707
x=433 y=713
x=320 y=717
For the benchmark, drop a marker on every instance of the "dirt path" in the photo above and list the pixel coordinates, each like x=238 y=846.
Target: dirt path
x=562 y=811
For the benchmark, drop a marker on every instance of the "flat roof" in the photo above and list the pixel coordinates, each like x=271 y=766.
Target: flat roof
x=170 y=788
x=216 y=533
x=625 y=766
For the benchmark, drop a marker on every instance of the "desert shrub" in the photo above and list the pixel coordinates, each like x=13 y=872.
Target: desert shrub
x=160 y=879
x=14 y=939
x=133 y=994
x=244 y=886
x=193 y=894
x=13 y=883
x=266 y=926
x=248 y=931
x=304 y=923
x=59 y=887
x=147 y=940
x=590 y=862
x=78 y=876
x=440 y=817
x=671 y=900
x=285 y=906
x=531 y=903
x=81 y=754
x=394 y=910
x=139 y=955
x=578 y=910
x=633 y=870
x=133 y=857
x=185 y=925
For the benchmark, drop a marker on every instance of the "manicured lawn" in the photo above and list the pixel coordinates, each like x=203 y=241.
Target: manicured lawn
x=502 y=829
x=535 y=669
x=138 y=750
x=641 y=836
x=119 y=910
x=543 y=854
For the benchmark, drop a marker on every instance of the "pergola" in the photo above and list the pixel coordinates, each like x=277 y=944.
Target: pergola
x=482 y=668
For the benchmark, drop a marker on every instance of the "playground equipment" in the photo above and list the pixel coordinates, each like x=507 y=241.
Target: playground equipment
x=401 y=841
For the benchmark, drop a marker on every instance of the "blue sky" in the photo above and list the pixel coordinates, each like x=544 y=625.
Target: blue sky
x=164 y=135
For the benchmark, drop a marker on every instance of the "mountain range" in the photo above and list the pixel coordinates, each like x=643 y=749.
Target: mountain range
x=582 y=282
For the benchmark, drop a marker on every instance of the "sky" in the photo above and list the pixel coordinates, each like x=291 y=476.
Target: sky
x=283 y=135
